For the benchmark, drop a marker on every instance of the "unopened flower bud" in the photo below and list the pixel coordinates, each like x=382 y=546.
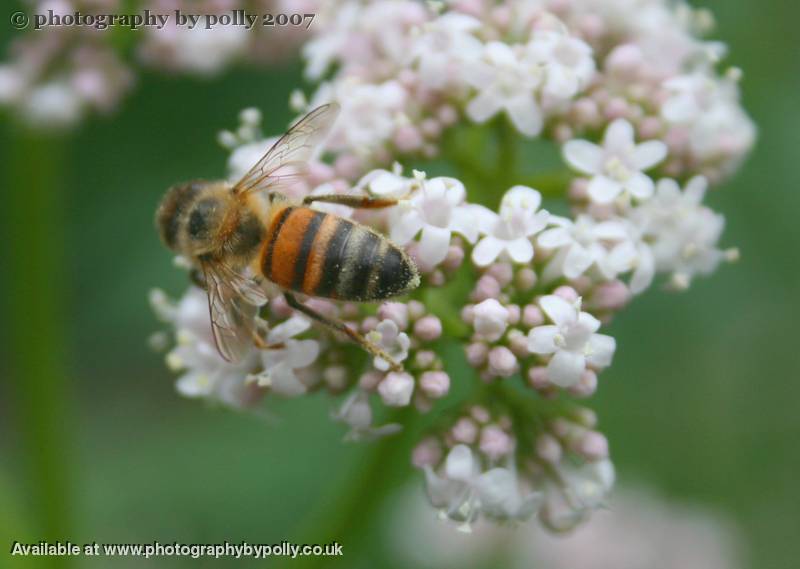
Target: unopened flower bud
x=491 y=319
x=434 y=384
x=396 y=389
x=396 y=311
x=428 y=328
x=495 y=442
x=477 y=353
x=502 y=362
x=548 y=448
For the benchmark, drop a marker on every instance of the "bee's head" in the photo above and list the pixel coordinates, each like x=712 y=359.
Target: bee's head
x=189 y=217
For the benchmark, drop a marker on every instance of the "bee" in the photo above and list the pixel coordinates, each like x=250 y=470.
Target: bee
x=239 y=237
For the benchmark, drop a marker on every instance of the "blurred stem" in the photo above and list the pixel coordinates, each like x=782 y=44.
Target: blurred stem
x=350 y=515
x=36 y=278
x=506 y=153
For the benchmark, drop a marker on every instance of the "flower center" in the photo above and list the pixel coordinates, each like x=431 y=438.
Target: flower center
x=617 y=169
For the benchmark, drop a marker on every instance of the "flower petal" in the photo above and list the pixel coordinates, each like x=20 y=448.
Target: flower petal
x=525 y=114
x=460 y=464
x=486 y=251
x=583 y=156
x=619 y=136
x=601 y=350
x=640 y=186
x=520 y=250
x=565 y=368
x=406 y=227
x=541 y=339
x=603 y=189
x=434 y=244
x=561 y=312
x=484 y=106
x=648 y=154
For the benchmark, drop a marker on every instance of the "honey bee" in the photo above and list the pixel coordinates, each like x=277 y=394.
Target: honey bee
x=237 y=236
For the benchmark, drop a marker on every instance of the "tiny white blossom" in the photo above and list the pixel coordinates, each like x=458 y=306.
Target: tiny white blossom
x=571 y=340
x=491 y=319
x=568 y=62
x=618 y=165
x=280 y=363
x=510 y=232
x=507 y=81
x=445 y=46
x=387 y=335
x=396 y=389
x=357 y=414
x=463 y=492
x=582 y=244
x=437 y=210
x=582 y=489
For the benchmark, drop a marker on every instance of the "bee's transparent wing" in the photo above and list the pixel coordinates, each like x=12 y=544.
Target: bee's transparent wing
x=287 y=160
x=233 y=302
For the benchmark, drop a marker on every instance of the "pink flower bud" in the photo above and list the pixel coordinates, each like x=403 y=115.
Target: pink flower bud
x=532 y=316
x=468 y=313
x=548 y=448
x=396 y=311
x=567 y=293
x=526 y=279
x=427 y=453
x=502 y=272
x=454 y=258
x=335 y=377
x=486 y=287
x=415 y=309
x=593 y=446
x=434 y=384
x=425 y=358
x=611 y=295
x=279 y=307
x=476 y=354
x=480 y=414
x=348 y=166
x=407 y=138
x=502 y=362
x=518 y=343
x=465 y=431
x=369 y=323
x=537 y=377
x=396 y=389
x=370 y=380
x=428 y=328
x=495 y=442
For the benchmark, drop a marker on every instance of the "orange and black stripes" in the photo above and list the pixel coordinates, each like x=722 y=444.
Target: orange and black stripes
x=327 y=256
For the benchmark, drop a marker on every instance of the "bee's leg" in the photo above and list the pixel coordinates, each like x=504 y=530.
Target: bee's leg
x=340 y=326
x=261 y=344
x=360 y=202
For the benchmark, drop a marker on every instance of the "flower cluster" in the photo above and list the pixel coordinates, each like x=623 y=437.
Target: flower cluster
x=524 y=292
x=57 y=76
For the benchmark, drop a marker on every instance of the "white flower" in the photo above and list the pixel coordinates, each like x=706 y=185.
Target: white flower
x=205 y=373
x=390 y=184
x=388 y=336
x=581 y=490
x=568 y=62
x=463 y=492
x=396 y=389
x=491 y=319
x=280 y=363
x=445 y=46
x=245 y=156
x=437 y=210
x=200 y=50
x=681 y=232
x=509 y=233
x=582 y=244
x=357 y=414
x=571 y=340
x=618 y=165
x=506 y=81
x=368 y=115
x=52 y=105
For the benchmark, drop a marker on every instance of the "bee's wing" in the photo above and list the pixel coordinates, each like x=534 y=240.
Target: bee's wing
x=233 y=302
x=287 y=160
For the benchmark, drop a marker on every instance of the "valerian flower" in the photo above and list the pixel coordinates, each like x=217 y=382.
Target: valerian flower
x=288 y=355
x=437 y=210
x=571 y=339
x=618 y=165
x=510 y=232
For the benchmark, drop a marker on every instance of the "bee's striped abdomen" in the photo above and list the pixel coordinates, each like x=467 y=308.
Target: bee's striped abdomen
x=324 y=255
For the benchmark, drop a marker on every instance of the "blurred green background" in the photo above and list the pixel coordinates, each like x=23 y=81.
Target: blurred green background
x=95 y=444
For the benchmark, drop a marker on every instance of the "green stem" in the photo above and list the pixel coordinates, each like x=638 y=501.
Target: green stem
x=507 y=152
x=347 y=518
x=35 y=276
